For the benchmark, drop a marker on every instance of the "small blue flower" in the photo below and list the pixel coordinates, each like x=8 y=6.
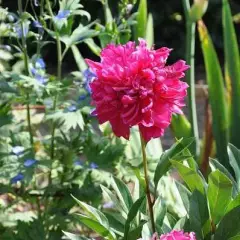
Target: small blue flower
x=20 y=30
x=37 y=24
x=78 y=163
x=72 y=108
x=81 y=98
x=88 y=77
x=41 y=79
x=40 y=64
x=18 y=150
x=17 y=178
x=29 y=162
x=62 y=14
x=93 y=165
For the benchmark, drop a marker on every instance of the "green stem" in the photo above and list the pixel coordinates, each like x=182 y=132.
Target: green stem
x=24 y=47
x=190 y=76
x=150 y=204
x=59 y=76
x=29 y=122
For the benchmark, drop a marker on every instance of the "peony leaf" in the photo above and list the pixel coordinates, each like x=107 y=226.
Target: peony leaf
x=190 y=177
x=234 y=158
x=123 y=193
x=164 y=163
x=219 y=194
x=131 y=215
x=229 y=226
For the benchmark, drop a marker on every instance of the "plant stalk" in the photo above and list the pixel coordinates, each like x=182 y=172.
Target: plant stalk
x=150 y=204
x=190 y=76
x=59 y=76
x=24 y=48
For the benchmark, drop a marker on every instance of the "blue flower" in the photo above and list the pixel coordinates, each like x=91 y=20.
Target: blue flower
x=40 y=64
x=78 y=163
x=17 y=178
x=81 y=98
x=88 y=77
x=29 y=162
x=62 y=14
x=72 y=108
x=37 y=24
x=18 y=150
x=37 y=70
x=93 y=165
x=41 y=79
x=21 y=29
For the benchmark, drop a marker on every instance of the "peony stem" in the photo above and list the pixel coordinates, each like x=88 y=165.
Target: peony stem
x=150 y=205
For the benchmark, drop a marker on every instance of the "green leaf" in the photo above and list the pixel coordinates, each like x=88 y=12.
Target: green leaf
x=71 y=236
x=185 y=195
x=217 y=96
x=234 y=203
x=140 y=27
x=93 y=212
x=234 y=158
x=131 y=215
x=164 y=162
x=136 y=232
x=79 y=59
x=111 y=197
x=214 y=164
x=198 y=215
x=190 y=177
x=97 y=227
x=231 y=53
x=229 y=226
x=150 y=31
x=123 y=193
x=219 y=194
x=160 y=210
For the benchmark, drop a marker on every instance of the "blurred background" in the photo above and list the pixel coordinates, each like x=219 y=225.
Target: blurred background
x=169 y=28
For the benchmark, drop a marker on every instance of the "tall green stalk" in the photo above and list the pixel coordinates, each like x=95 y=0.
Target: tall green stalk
x=26 y=67
x=190 y=76
x=147 y=190
x=59 y=76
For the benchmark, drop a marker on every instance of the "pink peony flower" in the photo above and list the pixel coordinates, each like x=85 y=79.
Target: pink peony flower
x=178 y=235
x=134 y=86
